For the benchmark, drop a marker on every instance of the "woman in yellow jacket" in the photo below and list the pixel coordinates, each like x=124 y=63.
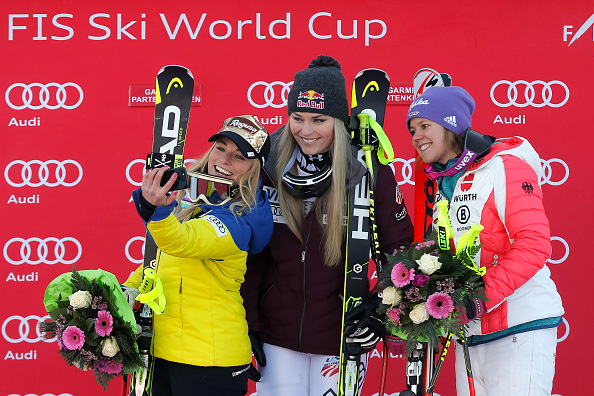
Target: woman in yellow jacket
x=200 y=342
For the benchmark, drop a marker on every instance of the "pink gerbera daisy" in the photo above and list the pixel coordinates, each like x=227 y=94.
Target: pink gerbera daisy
x=103 y=323
x=439 y=305
x=73 y=338
x=401 y=276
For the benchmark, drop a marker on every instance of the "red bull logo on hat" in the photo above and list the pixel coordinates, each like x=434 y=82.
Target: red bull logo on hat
x=311 y=96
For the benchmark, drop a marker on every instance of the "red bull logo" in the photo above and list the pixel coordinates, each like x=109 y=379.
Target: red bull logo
x=311 y=95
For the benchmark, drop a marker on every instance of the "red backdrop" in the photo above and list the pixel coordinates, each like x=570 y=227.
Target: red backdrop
x=74 y=139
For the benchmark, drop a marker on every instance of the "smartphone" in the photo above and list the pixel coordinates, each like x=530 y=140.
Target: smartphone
x=182 y=178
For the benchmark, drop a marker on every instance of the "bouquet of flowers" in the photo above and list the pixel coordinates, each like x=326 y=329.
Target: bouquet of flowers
x=93 y=324
x=423 y=291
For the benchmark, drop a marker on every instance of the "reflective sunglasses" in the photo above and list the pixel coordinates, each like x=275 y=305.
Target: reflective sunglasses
x=210 y=189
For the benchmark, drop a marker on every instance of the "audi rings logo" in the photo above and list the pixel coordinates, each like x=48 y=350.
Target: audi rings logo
x=547 y=172
x=18 y=251
x=50 y=96
x=44 y=175
x=16 y=329
x=138 y=182
x=136 y=239
x=566 y=250
x=553 y=93
x=406 y=171
x=273 y=94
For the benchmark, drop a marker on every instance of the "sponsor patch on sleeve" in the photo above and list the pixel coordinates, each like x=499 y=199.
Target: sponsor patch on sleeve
x=217 y=224
x=399 y=216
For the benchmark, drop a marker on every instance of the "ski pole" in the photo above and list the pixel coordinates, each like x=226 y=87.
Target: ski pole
x=364 y=125
x=125 y=385
x=445 y=233
x=442 y=356
x=364 y=120
x=384 y=369
x=467 y=362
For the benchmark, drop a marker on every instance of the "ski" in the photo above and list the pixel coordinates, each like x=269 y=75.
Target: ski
x=174 y=91
x=425 y=188
x=368 y=104
x=421 y=368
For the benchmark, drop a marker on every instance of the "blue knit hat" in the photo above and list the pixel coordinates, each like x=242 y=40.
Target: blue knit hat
x=450 y=107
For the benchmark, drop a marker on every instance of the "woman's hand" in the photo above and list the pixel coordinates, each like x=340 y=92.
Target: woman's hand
x=152 y=190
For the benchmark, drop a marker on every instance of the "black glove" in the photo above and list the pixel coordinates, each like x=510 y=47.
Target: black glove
x=258 y=350
x=368 y=327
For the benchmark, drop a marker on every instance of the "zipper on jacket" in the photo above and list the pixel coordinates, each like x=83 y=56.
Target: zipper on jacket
x=515 y=358
x=304 y=300
x=303 y=251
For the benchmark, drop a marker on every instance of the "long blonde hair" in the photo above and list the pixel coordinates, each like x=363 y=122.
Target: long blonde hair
x=248 y=185
x=332 y=203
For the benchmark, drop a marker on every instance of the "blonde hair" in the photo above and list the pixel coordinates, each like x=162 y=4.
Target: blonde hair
x=332 y=202
x=247 y=182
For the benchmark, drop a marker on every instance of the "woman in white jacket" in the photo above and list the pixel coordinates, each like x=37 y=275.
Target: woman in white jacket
x=495 y=183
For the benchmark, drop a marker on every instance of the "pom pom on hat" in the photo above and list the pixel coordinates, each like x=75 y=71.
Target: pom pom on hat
x=320 y=89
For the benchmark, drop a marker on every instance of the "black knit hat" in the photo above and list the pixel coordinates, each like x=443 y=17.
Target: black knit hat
x=320 y=89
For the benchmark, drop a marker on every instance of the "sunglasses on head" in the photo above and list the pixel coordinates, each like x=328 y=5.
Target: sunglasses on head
x=210 y=189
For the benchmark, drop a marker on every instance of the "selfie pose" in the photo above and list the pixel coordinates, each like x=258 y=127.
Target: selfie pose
x=204 y=235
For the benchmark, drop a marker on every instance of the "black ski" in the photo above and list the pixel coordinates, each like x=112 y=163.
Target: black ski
x=369 y=97
x=174 y=91
x=420 y=367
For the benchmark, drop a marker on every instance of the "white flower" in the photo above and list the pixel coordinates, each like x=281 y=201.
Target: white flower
x=418 y=314
x=109 y=347
x=428 y=264
x=391 y=296
x=80 y=299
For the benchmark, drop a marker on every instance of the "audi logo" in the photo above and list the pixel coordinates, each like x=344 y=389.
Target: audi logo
x=269 y=94
x=16 y=329
x=565 y=255
x=49 y=97
x=143 y=171
x=24 y=248
x=549 y=98
x=127 y=249
x=26 y=178
x=406 y=171
x=547 y=172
